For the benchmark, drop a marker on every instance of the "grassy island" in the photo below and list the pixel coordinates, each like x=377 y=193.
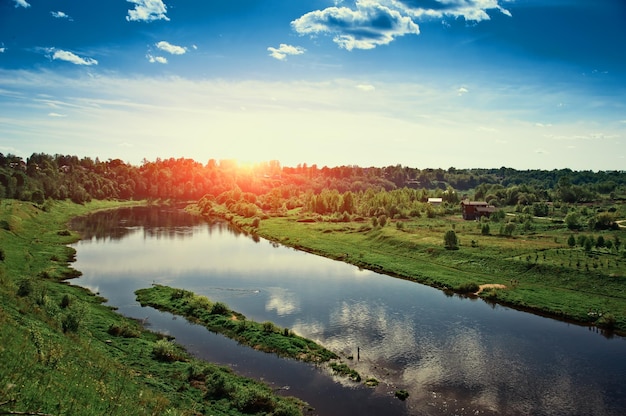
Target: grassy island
x=65 y=353
x=217 y=317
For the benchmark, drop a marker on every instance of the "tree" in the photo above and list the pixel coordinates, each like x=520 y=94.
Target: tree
x=571 y=241
x=572 y=220
x=450 y=240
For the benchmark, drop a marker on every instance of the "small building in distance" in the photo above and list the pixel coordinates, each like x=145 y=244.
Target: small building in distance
x=435 y=201
x=474 y=210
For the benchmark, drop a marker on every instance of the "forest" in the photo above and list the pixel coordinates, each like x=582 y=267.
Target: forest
x=41 y=177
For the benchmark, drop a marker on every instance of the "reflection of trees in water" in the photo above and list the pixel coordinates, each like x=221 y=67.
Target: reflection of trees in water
x=156 y=221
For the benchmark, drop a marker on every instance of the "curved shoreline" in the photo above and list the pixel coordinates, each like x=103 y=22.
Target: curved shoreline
x=489 y=296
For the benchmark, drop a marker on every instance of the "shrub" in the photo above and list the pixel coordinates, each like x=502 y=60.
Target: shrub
x=217 y=387
x=164 y=350
x=219 y=308
x=469 y=287
x=402 y=394
x=269 y=327
x=253 y=400
x=2 y=255
x=70 y=322
x=450 y=240
x=24 y=287
x=123 y=330
x=66 y=301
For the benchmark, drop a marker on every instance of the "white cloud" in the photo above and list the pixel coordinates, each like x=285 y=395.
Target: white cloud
x=283 y=50
x=60 y=15
x=462 y=91
x=73 y=58
x=147 y=11
x=156 y=59
x=369 y=25
x=2 y=49
x=372 y=23
x=21 y=3
x=56 y=115
x=168 y=47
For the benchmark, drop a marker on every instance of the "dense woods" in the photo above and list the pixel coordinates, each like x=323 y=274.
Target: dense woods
x=44 y=176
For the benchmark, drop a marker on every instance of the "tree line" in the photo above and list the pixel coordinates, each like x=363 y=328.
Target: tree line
x=392 y=190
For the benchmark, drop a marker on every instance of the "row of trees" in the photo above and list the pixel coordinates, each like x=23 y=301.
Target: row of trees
x=392 y=190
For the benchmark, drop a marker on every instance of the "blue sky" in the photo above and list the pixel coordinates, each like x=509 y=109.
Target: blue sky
x=425 y=83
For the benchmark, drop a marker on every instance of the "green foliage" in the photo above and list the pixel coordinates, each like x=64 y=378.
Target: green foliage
x=402 y=394
x=571 y=241
x=25 y=287
x=344 y=370
x=469 y=287
x=124 y=330
x=450 y=240
x=164 y=350
x=71 y=322
x=485 y=229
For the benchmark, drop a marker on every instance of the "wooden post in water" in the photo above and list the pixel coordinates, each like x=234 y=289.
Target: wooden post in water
x=358 y=353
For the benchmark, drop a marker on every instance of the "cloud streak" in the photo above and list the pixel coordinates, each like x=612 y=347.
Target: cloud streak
x=22 y=3
x=284 y=50
x=147 y=11
x=60 y=15
x=72 y=58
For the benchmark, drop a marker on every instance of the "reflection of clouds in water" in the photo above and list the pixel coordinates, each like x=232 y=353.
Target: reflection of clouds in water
x=282 y=301
x=381 y=335
x=463 y=370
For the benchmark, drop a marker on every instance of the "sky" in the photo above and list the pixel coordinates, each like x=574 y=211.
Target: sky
x=526 y=84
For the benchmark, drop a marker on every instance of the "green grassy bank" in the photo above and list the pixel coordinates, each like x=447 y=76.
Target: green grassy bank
x=541 y=272
x=217 y=317
x=64 y=353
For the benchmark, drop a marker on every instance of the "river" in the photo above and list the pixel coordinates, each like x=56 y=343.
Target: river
x=453 y=355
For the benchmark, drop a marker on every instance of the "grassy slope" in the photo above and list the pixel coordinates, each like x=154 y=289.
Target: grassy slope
x=85 y=370
x=542 y=274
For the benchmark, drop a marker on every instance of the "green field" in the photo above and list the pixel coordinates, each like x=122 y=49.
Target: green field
x=541 y=271
x=64 y=353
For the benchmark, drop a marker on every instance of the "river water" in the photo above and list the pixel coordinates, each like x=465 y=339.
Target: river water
x=455 y=356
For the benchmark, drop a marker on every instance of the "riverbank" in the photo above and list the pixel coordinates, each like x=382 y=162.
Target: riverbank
x=64 y=352
x=542 y=274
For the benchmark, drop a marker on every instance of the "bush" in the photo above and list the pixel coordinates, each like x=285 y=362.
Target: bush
x=470 y=287
x=66 y=301
x=164 y=350
x=70 y=322
x=269 y=327
x=123 y=330
x=24 y=287
x=253 y=400
x=450 y=240
x=219 y=308
x=402 y=394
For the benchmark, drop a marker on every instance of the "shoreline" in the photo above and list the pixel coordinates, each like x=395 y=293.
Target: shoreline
x=488 y=293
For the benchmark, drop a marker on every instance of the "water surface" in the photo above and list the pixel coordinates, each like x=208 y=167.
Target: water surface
x=453 y=355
